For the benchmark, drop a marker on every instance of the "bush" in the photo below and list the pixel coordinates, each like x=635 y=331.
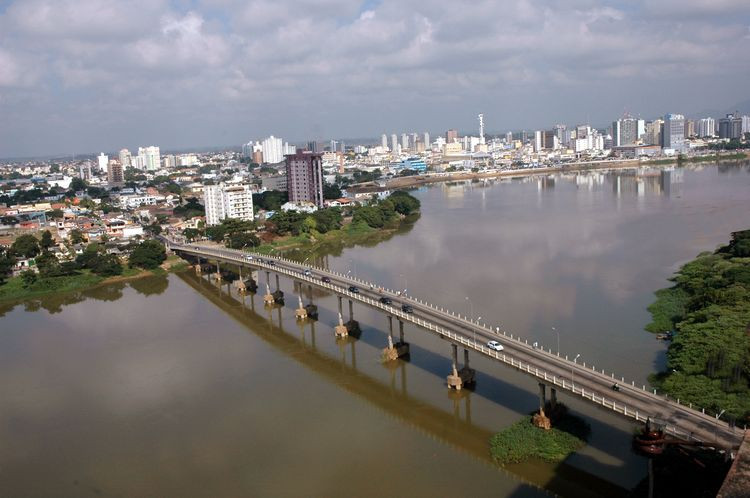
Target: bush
x=148 y=254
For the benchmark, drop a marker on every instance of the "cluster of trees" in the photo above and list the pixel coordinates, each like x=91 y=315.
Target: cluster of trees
x=732 y=144
x=294 y=223
x=235 y=234
x=270 y=200
x=191 y=208
x=708 y=361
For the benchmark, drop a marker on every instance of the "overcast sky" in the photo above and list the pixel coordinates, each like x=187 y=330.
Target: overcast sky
x=93 y=75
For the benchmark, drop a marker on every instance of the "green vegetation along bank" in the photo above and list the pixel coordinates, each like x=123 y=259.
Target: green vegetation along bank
x=523 y=441
x=89 y=269
x=708 y=310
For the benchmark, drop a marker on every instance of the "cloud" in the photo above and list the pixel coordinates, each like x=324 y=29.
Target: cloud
x=401 y=64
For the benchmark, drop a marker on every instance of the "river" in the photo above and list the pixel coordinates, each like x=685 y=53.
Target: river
x=173 y=386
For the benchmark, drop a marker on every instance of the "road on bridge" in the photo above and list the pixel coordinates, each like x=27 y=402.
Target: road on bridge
x=595 y=386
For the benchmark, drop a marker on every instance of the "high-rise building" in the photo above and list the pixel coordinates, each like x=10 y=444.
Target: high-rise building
x=404 y=141
x=273 y=150
x=258 y=155
x=103 y=161
x=125 y=159
x=745 y=124
x=730 y=126
x=149 y=158
x=115 y=176
x=171 y=162
x=480 y=117
x=706 y=127
x=247 y=149
x=394 y=143
x=538 y=138
x=451 y=136
x=383 y=141
x=227 y=201
x=84 y=171
x=509 y=137
x=427 y=143
x=673 y=136
x=304 y=176
x=689 y=128
x=550 y=140
x=653 y=132
x=627 y=131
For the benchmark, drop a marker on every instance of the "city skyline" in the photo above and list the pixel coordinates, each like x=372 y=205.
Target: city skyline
x=83 y=77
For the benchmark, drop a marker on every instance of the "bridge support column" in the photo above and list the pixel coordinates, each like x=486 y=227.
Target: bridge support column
x=459 y=379
x=341 y=308
x=540 y=419
x=542 y=397
x=300 y=313
x=397 y=350
x=401 y=331
x=352 y=325
x=277 y=282
x=268 y=297
x=340 y=330
x=553 y=398
x=218 y=272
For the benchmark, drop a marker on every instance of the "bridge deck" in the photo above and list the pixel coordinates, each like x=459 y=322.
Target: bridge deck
x=635 y=402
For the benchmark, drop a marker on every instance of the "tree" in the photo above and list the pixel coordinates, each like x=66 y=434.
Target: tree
x=270 y=200
x=153 y=228
x=47 y=264
x=240 y=240
x=191 y=234
x=77 y=184
x=106 y=265
x=76 y=236
x=148 y=254
x=403 y=202
x=6 y=264
x=55 y=214
x=26 y=245
x=28 y=277
x=331 y=191
x=47 y=240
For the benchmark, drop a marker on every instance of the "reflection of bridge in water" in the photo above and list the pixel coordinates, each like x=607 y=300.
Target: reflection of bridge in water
x=549 y=369
x=454 y=428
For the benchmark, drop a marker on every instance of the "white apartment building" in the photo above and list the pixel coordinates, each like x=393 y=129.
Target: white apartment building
x=273 y=150
x=227 y=201
x=149 y=158
x=103 y=161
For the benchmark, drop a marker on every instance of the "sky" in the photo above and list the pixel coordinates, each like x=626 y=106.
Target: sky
x=81 y=76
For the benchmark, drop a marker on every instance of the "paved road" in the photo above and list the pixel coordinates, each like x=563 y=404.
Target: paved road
x=574 y=377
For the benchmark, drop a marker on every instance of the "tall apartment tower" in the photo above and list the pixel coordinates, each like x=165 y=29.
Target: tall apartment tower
x=304 y=178
x=125 y=159
x=427 y=142
x=451 y=136
x=383 y=141
x=673 y=136
x=394 y=143
x=115 y=175
x=227 y=201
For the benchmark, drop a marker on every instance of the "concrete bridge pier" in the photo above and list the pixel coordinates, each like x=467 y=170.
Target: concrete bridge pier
x=541 y=419
x=395 y=350
x=340 y=330
x=459 y=379
x=268 y=298
x=218 y=272
x=300 y=313
x=198 y=265
x=277 y=282
x=352 y=325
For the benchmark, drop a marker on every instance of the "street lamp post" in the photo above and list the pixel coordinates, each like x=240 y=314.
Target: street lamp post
x=558 y=340
x=572 y=378
x=716 y=429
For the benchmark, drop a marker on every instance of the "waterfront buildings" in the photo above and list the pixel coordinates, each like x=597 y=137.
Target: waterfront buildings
x=706 y=127
x=227 y=201
x=451 y=136
x=730 y=126
x=304 y=173
x=673 y=136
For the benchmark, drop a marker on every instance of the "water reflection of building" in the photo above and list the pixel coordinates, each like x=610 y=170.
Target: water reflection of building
x=639 y=183
x=545 y=183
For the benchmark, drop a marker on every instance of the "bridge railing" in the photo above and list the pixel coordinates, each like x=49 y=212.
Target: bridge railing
x=240 y=257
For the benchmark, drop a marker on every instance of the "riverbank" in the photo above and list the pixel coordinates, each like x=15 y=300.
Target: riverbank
x=411 y=181
x=523 y=441
x=708 y=311
x=14 y=290
x=314 y=244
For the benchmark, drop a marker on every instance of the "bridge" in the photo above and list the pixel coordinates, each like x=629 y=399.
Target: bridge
x=548 y=368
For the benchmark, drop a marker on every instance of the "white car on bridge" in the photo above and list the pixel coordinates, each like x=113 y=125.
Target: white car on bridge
x=495 y=345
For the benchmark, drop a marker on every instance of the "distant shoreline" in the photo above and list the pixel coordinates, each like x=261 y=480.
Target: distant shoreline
x=410 y=181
